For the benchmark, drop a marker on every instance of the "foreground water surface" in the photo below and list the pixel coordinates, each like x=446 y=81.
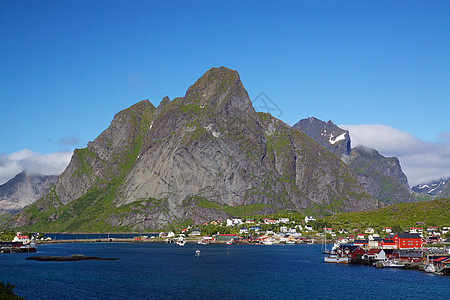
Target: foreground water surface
x=155 y=271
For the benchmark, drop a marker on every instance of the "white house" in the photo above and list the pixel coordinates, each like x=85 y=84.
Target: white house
x=415 y=230
x=369 y=230
x=387 y=229
x=283 y=229
x=21 y=238
x=310 y=218
x=308 y=227
x=195 y=231
x=292 y=230
x=283 y=220
x=170 y=234
x=237 y=221
x=243 y=230
x=229 y=222
x=299 y=227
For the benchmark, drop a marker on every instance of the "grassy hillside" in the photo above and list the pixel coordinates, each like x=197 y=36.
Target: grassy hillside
x=400 y=216
x=4 y=217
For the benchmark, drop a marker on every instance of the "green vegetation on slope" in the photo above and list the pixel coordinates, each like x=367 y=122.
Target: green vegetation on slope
x=4 y=217
x=402 y=215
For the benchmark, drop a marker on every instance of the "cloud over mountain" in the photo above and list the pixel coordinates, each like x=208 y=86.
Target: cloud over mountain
x=420 y=160
x=32 y=162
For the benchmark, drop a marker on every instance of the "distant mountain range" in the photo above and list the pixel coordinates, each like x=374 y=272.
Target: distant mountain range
x=194 y=159
x=437 y=188
x=381 y=176
x=22 y=190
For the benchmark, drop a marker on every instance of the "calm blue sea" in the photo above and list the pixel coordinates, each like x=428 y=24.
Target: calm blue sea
x=168 y=271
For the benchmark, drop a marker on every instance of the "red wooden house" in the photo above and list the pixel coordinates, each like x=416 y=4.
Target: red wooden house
x=408 y=241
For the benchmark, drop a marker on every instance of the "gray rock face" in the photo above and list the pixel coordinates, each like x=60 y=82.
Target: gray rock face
x=23 y=190
x=328 y=135
x=382 y=177
x=196 y=157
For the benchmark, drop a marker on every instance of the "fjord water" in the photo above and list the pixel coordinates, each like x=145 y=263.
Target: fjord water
x=156 y=271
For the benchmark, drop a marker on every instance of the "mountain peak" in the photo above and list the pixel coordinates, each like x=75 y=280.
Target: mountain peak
x=219 y=88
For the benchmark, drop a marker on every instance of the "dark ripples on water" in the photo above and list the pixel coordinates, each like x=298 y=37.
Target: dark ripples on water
x=157 y=271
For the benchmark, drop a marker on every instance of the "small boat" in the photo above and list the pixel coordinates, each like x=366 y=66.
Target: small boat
x=429 y=266
x=290 y=242
x=335 y=258
x=181 y=241
x=392 y=264
x=197 y=252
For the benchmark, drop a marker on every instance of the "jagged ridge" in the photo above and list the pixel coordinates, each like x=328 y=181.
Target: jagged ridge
x=183 y=161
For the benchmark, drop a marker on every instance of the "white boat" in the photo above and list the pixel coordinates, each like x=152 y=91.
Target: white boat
x=325 y=250
x=392 y=264
x=290 y=242
x=181 y=241
x=429 y=266
x=335 y=258
x=197 y=252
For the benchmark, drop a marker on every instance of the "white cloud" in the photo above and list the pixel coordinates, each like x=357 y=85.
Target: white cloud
x=32 y=162
x=421 y=161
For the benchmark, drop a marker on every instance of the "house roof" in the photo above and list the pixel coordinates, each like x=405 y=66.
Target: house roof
x=442 y=258
x=374 y=251
x=361 y=241
x=388 y=241
x=408 y=235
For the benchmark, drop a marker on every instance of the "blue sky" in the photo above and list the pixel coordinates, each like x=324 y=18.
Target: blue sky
x=68 y=66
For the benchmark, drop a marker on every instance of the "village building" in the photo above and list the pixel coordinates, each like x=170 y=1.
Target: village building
x=369 y=230
x=269 y=221
x=283 y=220
x=309 y=219
x=226 y=237
x=361 y=243
x=415 y=229
x=327 y=230
x=408 y=241
x=250 y=221
x=387 y=229
x=195 y=231
x=255 y=228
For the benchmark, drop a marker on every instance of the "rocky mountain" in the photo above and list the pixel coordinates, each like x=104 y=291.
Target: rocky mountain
x=328 y=135
x=437 y=188
x=382 y=177
x=23 y=190
x=192 y=159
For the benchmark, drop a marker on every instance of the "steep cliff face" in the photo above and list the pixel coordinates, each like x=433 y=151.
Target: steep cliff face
x=328 y=135
x=23 y=190
x=195 y=158
x=381 y=176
